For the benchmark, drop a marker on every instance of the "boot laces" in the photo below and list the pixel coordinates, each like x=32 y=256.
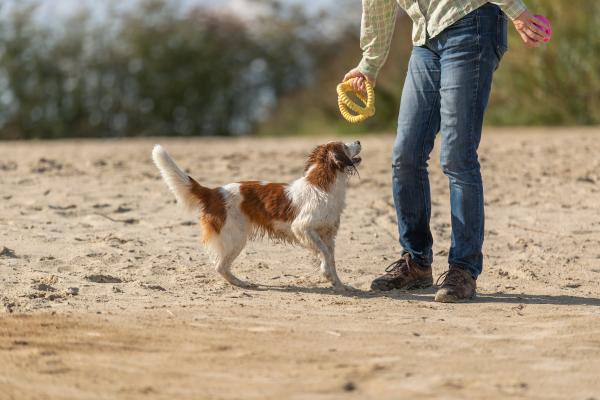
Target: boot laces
x=449 y=278
x=398 y=267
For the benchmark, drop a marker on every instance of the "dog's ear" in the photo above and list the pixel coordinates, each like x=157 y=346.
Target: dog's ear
x=317 y=155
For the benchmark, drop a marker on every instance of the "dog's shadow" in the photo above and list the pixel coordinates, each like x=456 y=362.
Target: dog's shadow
x=428 y=295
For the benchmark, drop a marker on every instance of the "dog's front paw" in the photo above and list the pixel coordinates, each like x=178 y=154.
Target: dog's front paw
x=242 y=284
x=344 y=288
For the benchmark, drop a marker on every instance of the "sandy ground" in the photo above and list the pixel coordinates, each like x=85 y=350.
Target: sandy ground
x=105 y=292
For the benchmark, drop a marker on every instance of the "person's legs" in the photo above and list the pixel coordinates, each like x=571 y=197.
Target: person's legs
x=418 y=123
x=469 y=55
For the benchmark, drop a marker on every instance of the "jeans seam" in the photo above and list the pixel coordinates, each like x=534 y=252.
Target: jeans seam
x=475 y=102
x=428 y=208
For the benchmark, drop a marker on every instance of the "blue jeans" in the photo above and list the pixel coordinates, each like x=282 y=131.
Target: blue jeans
x=447 y=89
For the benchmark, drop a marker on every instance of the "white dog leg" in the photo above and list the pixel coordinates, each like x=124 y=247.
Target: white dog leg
x=223 y=267
x=328 y=268
x=327 y=257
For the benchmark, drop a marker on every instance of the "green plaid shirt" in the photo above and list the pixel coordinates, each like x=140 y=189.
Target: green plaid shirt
x=430 y=17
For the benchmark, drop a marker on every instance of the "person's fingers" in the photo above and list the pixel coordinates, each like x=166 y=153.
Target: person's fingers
x=546 y=33
x=357 y=80
x=357 y=83
x=528 y=34
x=536 y=37
x=537 y=32
x=542 y=24
x=540 y=28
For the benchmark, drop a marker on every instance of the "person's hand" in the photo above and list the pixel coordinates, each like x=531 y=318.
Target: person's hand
x=358 y=80
x=532 y=30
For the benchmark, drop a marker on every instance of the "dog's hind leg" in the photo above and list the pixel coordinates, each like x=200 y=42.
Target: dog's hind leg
x=223 y=267
x=227 y=248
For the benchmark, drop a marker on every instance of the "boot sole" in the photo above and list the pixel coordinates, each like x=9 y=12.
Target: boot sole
x=452 y=299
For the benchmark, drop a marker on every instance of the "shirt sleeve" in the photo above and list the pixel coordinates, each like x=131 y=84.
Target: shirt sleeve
x=512 y=8
x=376 y=30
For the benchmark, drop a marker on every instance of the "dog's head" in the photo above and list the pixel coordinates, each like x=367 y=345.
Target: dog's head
x=327 y=160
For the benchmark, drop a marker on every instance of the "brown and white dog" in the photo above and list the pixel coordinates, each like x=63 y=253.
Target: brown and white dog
x=305 y=212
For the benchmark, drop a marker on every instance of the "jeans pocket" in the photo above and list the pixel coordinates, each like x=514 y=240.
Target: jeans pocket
x=501 y=36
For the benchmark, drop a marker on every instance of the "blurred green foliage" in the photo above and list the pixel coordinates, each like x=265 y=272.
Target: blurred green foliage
x=558 y=83
x=157 y=70
x=152 y=71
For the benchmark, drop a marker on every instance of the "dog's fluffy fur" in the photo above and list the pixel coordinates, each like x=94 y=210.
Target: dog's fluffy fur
x=305 y=212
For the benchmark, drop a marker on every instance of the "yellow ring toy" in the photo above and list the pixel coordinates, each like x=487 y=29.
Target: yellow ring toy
x=361 y=112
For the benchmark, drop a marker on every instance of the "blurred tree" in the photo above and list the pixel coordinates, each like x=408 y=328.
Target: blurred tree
x=153 y=71
x=559 y=83
x=39 y=77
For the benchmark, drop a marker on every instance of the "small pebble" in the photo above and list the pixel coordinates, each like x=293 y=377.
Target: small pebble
x=43 y=287
x=6 y=252
x=73 y=291
x=100 y=278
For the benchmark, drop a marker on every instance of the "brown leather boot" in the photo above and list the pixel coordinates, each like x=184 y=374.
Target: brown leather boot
x=458 y=285
x=404 y=274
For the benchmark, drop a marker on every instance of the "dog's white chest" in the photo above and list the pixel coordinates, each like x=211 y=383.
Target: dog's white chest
x=315 y=206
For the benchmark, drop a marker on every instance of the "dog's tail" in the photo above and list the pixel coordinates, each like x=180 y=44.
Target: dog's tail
x=181 y=184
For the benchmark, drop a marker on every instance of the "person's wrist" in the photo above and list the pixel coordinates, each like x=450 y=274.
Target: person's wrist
x=369 y=72
x=522 y=18
x=516 y=12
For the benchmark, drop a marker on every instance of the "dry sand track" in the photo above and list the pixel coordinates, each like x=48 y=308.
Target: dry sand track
x=106 y=293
